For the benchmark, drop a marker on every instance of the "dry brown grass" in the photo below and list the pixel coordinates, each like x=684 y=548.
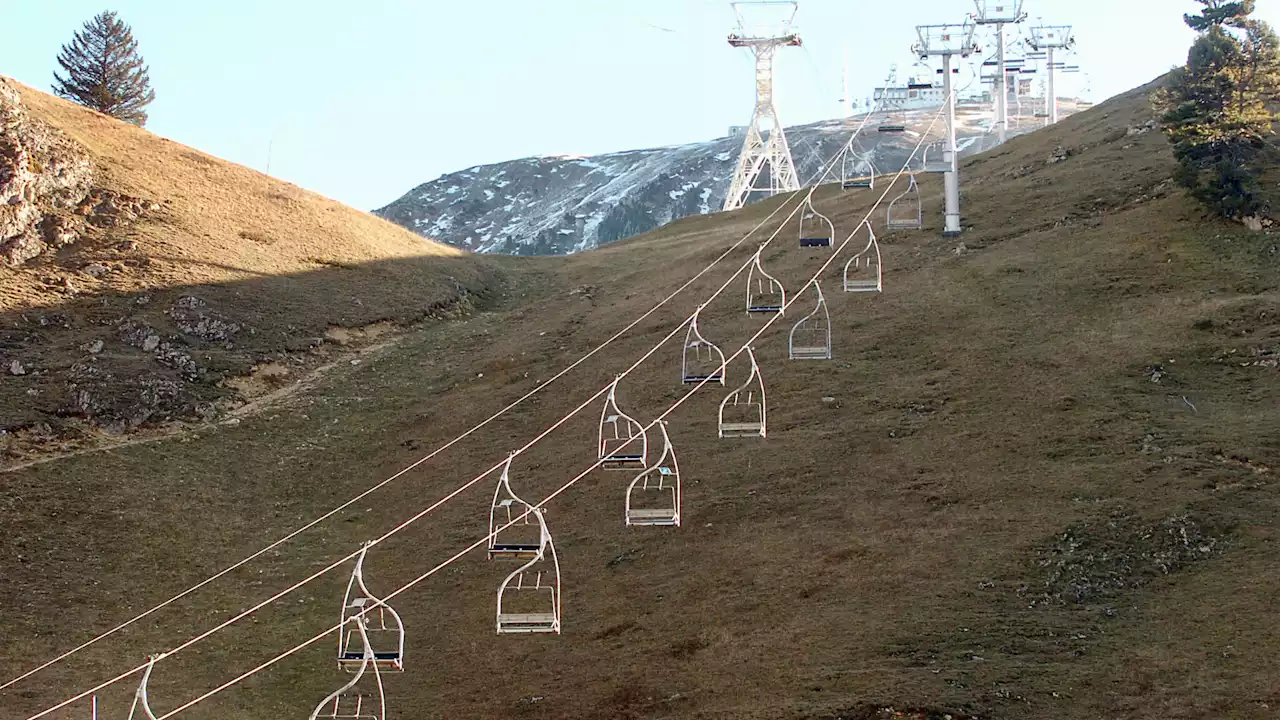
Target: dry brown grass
x=211 y=207
x=283 y=264
x=895 y=548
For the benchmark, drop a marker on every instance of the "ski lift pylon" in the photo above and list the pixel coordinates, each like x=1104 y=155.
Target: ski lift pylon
x=623 y=444
x=701 y=359
x=533 y=588
x=816 y=229
x=348 y=702
x=653 y=497
x=764 y=293
x=744 y=412
x=863 y=272
x=906 y=211
x=377 y=620
x=810 y=338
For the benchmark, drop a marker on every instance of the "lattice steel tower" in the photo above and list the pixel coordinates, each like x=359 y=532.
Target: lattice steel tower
x=1000 y=13
x=764 y=141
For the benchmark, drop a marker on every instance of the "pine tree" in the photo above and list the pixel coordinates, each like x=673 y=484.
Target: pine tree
x=1217 y=111
x=104 y=71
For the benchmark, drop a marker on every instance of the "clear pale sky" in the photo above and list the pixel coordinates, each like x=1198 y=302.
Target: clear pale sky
x=361 y=101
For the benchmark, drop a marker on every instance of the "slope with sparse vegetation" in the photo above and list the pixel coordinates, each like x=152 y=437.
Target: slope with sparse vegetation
x=1036 y=482
x=147 y=280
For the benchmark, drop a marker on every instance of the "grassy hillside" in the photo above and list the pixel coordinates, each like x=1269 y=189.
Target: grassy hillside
x=1044 y=488
x=225 y=267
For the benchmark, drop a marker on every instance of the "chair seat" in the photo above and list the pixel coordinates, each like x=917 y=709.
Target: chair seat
x=713 y=377
x=656 y=516
x=386 y=661
x=765 y=308
x=861 y=286
x=527 y=623
x=815 y=242
x=937 y=167
x=810 y=353
x=622 y=462
x=852 y=184
x=746 y=429
x=903 y=224
x=513 y=552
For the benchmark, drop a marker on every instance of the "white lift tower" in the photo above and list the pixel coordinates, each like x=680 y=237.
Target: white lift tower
x=765 y=141
x=1000 y=13
x=1048 y=38
x=946 y=41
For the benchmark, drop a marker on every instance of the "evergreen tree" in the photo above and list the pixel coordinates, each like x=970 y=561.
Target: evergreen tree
x=1216 y=108
x=104 y=71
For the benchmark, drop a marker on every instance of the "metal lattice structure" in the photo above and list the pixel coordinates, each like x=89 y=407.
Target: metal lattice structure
x=764 y=142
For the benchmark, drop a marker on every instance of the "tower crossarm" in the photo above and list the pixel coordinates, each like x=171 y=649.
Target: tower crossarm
x=998 y=12
x=938 y=40
x=791 y=40
x=1045 y=37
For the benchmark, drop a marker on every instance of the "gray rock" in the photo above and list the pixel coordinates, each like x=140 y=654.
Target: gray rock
x=151 y=343
x=16 y=368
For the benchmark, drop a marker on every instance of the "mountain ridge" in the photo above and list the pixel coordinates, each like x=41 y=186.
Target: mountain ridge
x=563 y=204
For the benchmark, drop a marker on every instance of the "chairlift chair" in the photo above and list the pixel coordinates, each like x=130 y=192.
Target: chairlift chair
x=529 y=597
x=816 y=229
x=355 y=701
x=906 y=211
x=764 y=293
x=895 y=121
x=513 y=532
x=623 y=444
x=653 y=497
x=377 y=620
x=140 y=700
x=743 y=412
x=863 y=272
x=936 y=158
x=850 y=178
x=810 y=338
x=701 y=359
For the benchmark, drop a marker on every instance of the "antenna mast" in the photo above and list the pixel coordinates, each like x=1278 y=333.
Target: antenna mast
x=763 y=40
x=1049 y=38
x=946 y=41
x=1000 y=13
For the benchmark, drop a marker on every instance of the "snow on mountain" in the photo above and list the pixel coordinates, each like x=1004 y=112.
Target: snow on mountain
x=560 y=204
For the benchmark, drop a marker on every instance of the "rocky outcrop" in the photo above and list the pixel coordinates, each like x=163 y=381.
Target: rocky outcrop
x=43 y=176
